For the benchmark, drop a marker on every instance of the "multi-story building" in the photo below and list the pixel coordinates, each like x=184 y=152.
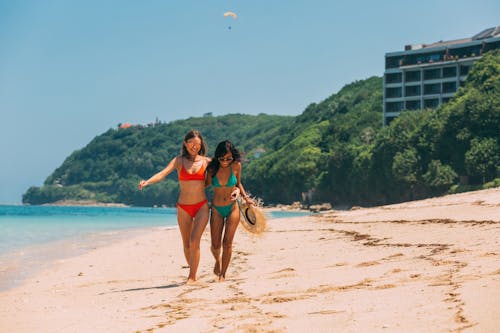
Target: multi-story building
x=427 y=75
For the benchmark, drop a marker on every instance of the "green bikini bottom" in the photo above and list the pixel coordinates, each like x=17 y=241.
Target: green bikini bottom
x=224 y=211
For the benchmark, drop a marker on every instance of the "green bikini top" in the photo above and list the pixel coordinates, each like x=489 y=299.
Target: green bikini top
x=230 y=182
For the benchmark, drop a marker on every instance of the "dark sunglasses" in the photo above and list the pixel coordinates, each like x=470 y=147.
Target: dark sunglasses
x=222 y=159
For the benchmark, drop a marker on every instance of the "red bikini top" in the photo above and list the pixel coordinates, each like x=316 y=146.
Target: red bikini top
x=198 y=175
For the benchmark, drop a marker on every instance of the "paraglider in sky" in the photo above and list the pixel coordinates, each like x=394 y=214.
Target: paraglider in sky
x=230 y=14
x=233 y=15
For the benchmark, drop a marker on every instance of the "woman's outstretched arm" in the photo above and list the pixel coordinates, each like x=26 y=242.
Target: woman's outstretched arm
x=160 y=175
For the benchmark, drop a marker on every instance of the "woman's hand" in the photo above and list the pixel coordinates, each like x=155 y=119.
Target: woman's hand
x=235 y=194
x=248 y=200
x=142 y=184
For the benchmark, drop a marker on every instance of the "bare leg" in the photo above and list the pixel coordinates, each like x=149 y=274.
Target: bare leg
x=232 y=222
x=216 y=254
x=199 y=224
x=216 y=227
x=185 y=222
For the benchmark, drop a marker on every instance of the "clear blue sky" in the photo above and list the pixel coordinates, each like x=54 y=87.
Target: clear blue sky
x=70 y=70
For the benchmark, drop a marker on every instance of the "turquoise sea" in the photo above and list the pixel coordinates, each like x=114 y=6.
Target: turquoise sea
x=33 y=236
x=22 y=226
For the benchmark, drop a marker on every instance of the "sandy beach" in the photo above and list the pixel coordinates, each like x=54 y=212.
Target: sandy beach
x=423 y=266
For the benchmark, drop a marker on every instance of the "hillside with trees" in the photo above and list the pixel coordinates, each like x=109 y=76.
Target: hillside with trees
x=336 y=149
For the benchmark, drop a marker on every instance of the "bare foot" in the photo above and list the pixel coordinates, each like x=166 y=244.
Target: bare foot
x=217 y=267
x=221 y=278
x=190 y=282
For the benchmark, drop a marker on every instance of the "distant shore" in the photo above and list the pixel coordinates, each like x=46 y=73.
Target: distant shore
x=93 y=203
x=88 y=203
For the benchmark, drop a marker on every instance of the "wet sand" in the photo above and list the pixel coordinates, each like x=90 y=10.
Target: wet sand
x=423 y=266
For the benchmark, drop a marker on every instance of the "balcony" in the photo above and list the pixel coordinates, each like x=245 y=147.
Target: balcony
x=413 y=105
x=431 y=103
x=449 y=87
x=432 y=89
x=393 y=106
x=412 y=76
x=449 y=72
x=393 y=78
x=432 y=74
x=412 y=91
x=393 y=92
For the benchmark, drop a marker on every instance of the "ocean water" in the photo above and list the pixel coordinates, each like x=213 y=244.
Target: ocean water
x=33 y=236
x=22 y=226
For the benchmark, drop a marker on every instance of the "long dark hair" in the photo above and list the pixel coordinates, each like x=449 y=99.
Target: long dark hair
x=222 y=149
x=193 y=134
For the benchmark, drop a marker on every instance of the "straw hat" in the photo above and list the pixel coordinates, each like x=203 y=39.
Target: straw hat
x=251 y=217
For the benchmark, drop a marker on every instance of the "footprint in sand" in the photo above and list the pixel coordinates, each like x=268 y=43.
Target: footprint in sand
x=368 y=263
x=275 y=315
x=395 y=255
x=327 y=312
x=280 y=299
x=339 y=264
x=385 y=286
x=283 y=273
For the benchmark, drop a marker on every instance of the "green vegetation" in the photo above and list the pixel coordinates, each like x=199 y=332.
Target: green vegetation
x=336 y=148
x=109 y=168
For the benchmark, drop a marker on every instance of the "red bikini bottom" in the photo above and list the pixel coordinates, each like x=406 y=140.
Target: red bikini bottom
x=193 y=208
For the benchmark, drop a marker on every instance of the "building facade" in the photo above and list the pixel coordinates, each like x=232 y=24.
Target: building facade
x=426 y=76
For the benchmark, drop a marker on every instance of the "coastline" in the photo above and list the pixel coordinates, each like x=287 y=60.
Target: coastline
x=85 y=203
x=92 y=203
x=429 y=265
x=20 y=264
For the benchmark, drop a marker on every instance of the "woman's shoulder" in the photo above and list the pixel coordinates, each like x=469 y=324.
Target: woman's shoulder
x=207 y=161
x=177 y=161
x=236 y=165
x=209 y=165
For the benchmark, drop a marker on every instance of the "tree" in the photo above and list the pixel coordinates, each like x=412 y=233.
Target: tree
x=405 y=167
x=439 y=176
x=483 y=157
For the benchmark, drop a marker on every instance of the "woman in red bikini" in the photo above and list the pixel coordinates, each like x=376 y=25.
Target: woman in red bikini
x=192 y=205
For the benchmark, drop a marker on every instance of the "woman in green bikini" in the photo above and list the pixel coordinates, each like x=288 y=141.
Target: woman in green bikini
x=224 y=174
